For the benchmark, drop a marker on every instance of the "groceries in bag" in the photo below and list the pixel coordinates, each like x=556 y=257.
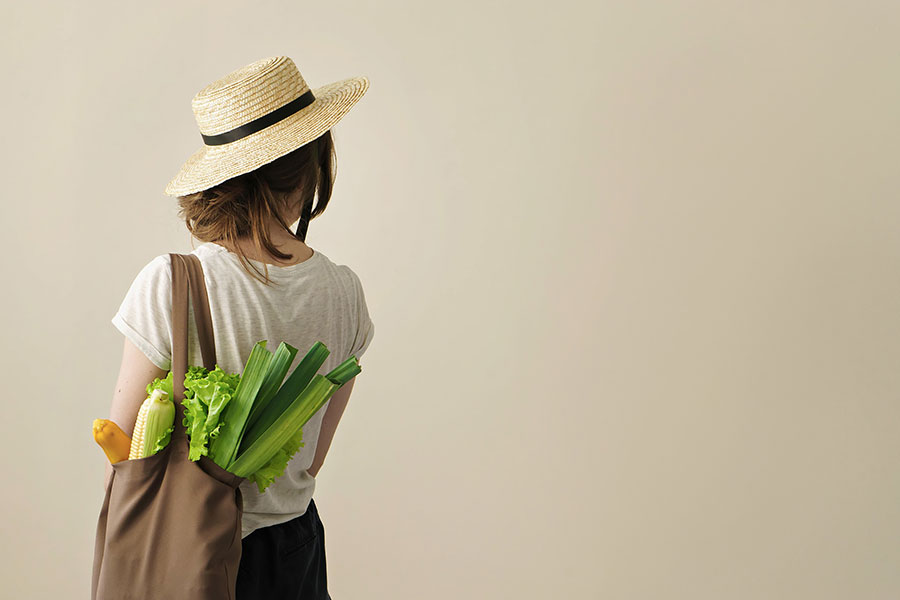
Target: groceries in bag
x=154 y=425
x=250 y=424
x=115 y=442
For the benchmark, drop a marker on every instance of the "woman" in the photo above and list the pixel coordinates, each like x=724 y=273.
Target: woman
x=267 y=154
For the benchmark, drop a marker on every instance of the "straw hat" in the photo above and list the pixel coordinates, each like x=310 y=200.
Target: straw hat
x=256 y=114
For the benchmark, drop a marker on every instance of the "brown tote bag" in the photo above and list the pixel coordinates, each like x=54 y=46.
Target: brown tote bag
x=170 y=527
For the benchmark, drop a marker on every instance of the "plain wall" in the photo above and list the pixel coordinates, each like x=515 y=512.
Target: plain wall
x=633 y=268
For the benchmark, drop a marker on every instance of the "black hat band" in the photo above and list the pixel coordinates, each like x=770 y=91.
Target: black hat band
x=262 y=122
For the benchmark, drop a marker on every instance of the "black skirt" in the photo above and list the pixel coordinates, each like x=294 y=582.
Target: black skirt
x=285 y=561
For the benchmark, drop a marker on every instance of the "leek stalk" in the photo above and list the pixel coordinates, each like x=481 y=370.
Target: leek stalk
x=224 y=446
x=278 y=368
x=295 y=384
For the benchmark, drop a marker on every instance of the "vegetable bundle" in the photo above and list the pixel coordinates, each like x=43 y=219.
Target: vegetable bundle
x=249 y=424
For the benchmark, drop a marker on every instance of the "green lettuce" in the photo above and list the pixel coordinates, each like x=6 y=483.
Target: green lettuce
x=164 y=384
x=206 y=394
x=263 y=423
x=276 y=466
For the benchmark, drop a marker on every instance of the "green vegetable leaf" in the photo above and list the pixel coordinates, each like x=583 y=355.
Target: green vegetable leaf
x=163 y=439
x=226 y=444
x=161 y=384
x=206 y=394
x=195 y=425
x=218 y=400
x=276 y=466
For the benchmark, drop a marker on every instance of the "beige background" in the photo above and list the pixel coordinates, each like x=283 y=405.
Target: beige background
x=633 y=266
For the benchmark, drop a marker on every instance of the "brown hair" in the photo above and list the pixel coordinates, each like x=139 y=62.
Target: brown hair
x=241 y=206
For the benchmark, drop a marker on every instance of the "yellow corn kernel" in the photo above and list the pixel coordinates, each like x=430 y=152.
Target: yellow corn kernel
x=157 y=413
x=137 y=438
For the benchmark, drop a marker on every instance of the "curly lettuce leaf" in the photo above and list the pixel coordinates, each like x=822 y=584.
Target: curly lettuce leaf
x=164 y=384
x=194 y=373
x=206 y=394
x=209 y=400
x=218 y=400
x=275 y=467
x=195 y=425
x=210 y=392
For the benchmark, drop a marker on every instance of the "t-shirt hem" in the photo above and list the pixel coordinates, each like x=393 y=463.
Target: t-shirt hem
x=267 y=520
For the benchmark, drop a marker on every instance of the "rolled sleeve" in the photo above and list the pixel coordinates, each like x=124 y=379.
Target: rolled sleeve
x=145 y=314
x=365 y=330
x=143 y=344
x=369 y=333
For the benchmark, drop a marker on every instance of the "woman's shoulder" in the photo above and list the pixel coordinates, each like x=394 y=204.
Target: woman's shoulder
x=156 y=271
x=216 y=260
x=348 y=275
x=159 y=268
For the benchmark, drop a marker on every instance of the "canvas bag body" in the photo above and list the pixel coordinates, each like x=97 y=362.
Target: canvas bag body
x=170 y=527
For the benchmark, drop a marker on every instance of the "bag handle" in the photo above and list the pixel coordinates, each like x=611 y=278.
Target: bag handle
x=188 y=286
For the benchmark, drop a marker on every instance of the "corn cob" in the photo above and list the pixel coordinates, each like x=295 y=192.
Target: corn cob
x=112 y=439
x=153 y=424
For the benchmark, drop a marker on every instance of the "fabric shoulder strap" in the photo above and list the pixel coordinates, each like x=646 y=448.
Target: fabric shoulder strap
x=188 y=284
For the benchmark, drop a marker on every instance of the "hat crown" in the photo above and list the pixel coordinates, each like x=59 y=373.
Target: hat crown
x=247 y=94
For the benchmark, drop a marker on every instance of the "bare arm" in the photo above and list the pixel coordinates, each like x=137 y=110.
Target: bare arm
x=135 y=373
x=333 y=413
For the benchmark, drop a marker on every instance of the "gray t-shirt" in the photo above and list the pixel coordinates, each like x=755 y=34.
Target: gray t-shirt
x=315 y=300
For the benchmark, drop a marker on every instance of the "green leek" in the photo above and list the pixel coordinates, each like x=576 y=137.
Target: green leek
x=266 y=458
x=278 y=368
x=298 y=380
x=223 y=447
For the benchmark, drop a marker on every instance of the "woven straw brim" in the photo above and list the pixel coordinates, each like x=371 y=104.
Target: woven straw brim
x=211 y=165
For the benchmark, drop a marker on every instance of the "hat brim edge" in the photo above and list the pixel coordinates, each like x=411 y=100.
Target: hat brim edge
x=209 y=165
